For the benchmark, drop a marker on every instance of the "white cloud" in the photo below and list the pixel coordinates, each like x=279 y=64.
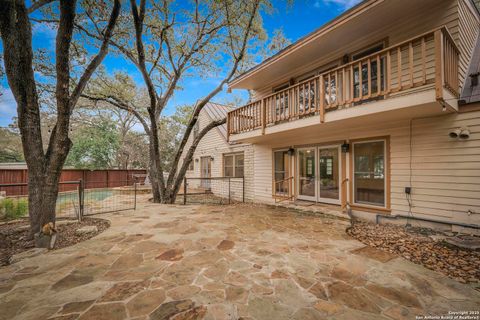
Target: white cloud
x=342 y=4
x=8 y=105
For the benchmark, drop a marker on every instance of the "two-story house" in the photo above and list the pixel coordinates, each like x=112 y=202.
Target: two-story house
x=377 y=110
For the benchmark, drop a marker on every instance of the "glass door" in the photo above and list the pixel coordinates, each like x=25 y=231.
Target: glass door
x=329 y=174
x=306 y=174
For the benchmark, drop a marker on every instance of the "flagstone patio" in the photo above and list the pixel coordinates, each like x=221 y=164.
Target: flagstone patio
x=225 y=262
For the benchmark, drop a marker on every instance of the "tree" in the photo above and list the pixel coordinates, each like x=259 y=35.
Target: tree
x=10 y=146
x=170 y=44
x=44 y=166
x=95 y=146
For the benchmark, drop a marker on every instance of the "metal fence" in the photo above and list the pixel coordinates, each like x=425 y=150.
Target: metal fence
x=213 y=190
x=76 y=199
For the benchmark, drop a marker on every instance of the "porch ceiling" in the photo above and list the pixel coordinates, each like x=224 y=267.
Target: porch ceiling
x=365 y=18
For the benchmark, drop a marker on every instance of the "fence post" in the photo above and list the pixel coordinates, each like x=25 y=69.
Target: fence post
x=229 y=180
x=80 y=200
x=184 y=190
x=135 y=195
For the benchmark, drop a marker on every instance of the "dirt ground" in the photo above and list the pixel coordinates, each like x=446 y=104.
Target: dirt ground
x=14 y=236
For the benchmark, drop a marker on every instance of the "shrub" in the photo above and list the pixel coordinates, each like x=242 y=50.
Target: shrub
x=13 y=208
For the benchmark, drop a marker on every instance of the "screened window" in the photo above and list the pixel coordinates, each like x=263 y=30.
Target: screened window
x=191 y=166
x=196 y=129
x=233 y=165
x=369 y=175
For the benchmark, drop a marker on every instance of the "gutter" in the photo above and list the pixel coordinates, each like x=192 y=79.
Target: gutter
x=401 y=216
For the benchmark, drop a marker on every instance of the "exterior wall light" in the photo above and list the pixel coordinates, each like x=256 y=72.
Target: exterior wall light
x=345 y=147
x=291 y=152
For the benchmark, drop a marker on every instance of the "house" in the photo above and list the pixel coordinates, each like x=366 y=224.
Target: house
x=226 y=167
x=376 y=111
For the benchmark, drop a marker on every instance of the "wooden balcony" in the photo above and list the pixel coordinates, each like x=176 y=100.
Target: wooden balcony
x=430 y=59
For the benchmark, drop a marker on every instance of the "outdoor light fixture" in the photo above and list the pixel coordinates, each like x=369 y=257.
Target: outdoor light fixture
x=464 y=134
x=211 y=158
x=291 y=151
x=459 y=133
x=196 y=160
x=345 y=147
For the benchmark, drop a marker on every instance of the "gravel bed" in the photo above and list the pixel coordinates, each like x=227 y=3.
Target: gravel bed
x=14 y=236
x=421 y=246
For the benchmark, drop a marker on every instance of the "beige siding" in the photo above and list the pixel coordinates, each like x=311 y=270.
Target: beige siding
x=456 y=15
x=215 y=145
x=445 y=172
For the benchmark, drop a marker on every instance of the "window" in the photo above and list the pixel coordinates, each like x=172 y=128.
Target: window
x=369 y=172
x=233 y=165
x=191 y=166
x=374 y=72
x=281 y=171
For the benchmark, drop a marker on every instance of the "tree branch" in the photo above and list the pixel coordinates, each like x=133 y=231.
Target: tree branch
x=199 y=106
x=92 y=66
x=188 y=157
x=38 y=4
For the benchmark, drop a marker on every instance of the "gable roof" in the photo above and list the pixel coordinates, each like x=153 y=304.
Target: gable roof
x=216 y=111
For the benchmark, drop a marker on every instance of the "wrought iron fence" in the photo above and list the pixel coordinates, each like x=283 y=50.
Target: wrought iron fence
x=213 y=190
x=75 y=199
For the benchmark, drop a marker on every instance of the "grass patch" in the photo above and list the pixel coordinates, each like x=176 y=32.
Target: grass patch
x=11 y=209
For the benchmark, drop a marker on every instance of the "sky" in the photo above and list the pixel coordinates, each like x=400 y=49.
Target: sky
x=296 y=21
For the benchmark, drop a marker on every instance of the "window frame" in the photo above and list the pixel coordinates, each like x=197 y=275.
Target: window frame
x=386 y=172
x=234 y=164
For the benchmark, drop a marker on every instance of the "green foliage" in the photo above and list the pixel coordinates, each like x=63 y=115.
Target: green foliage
x=94 y=146
x=13 y=208
x=10 y=146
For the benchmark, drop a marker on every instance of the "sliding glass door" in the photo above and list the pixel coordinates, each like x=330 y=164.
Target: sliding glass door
x=319 y=174
x=306 y=174
x=329 y=174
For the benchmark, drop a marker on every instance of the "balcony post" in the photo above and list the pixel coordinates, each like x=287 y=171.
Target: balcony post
x=439 y=72
x=264 y=116
x=322 y=98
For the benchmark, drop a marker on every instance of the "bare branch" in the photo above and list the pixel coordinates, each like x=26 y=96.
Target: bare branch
x=38 y=4
x=191 y=151
x=99 y=57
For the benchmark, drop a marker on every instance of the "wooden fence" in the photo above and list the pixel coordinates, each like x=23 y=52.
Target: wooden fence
x=91 y=179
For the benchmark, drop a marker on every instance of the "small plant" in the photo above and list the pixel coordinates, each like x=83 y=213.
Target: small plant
x=13 y=208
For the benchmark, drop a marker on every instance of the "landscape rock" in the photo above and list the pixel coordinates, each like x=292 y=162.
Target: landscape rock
x=86 y=229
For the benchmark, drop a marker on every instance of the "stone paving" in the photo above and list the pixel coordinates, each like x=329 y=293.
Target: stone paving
x=225 y=262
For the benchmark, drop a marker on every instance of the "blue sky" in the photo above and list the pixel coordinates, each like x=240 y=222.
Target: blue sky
x=297 y=20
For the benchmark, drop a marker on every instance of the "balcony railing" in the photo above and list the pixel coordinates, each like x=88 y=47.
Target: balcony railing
x=430 y=58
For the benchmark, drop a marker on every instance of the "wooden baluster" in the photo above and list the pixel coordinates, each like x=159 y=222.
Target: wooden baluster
x=410 y=62
x=322 y=99
x=439 y=72
x=335 y=87
x=329 y=90
x=352 y=85
x=399 y=68
x=343 y=87
x=315 y=95
x=360 y=81
x=309 y=98
x=369 y=78
x=389 y=72
x=379 y=76
x=424 y=62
